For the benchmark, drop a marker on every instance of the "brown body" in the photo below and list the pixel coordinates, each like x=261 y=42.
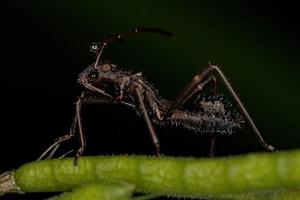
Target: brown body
x=116 y=86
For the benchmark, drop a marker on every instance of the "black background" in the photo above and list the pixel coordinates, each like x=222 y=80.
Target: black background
x=45 y=45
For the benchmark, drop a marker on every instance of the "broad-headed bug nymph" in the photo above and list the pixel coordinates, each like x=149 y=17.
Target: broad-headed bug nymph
x=111 y=85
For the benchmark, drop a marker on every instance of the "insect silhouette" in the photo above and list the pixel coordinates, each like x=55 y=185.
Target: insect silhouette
x=209 y=115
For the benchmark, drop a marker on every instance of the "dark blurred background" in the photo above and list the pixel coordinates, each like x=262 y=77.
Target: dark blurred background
x=45 y=45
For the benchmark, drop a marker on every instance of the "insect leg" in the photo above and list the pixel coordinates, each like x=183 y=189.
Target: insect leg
x=81 y=135
x=242 y=107
x=185 y=94
x=61 y=139
x=212 y=148
x=192 y=91
x=198 y=79
x=84 y=100
x=151 y=129
x=213 y=138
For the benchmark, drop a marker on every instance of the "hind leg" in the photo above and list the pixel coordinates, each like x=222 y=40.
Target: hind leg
x=200 y=79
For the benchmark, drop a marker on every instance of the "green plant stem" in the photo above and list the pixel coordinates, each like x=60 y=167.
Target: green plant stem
x=168 y=175
x=257 y=174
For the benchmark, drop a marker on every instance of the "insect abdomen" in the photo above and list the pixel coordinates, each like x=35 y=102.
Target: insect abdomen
x=213 y=119
x=204 y=123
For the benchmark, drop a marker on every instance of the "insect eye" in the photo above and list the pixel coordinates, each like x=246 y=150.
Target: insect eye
x=94 y=47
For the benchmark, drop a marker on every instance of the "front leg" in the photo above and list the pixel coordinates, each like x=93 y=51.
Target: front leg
x=80 y=130
x=53 y=148
x=82 y=100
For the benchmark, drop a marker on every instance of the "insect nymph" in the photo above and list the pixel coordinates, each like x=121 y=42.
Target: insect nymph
x=210 y=116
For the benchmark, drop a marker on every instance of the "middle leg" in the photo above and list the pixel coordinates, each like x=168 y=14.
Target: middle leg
x=151 y=129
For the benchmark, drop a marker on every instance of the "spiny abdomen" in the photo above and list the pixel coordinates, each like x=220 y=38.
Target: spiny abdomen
x=212 y=118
